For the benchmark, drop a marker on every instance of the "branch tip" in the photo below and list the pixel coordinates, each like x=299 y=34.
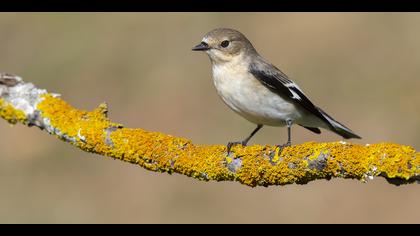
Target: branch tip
x=9 y=80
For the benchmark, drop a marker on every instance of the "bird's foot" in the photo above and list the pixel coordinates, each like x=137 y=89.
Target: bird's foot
x=232 y=144
x=282 y=146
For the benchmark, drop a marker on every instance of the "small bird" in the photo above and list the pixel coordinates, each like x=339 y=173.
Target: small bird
x=259 y=91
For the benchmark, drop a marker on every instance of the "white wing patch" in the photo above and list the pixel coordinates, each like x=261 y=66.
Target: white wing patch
x=295 y=95
x=291 y=85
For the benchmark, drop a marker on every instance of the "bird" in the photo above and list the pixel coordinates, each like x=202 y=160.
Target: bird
x=260 y=92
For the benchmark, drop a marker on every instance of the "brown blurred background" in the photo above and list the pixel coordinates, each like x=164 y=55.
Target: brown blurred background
x=362 y=68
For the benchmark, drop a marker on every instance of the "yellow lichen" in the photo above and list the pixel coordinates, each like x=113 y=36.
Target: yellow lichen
x=397 y=161
x=253 y=165
x=10 y=114
x=87 y=128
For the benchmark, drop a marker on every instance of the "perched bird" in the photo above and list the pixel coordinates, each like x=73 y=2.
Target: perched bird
x=259 y=91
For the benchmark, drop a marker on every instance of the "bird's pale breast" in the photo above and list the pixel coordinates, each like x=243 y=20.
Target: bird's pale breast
x=248 y=97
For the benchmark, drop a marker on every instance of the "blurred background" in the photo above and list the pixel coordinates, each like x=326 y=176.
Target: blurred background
x=362 y=68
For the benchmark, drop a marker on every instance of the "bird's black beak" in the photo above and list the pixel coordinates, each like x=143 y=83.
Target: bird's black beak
x=201 y=47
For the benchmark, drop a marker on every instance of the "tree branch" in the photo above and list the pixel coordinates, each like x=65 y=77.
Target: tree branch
x=22 y=102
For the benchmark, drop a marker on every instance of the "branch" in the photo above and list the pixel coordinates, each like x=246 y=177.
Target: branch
x=22 y=102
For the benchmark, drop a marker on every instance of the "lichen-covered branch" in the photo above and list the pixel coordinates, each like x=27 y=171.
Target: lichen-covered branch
x=22 y=102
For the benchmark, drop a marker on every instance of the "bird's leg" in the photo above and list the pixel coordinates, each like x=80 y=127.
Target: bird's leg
x=289 y=123
x=245 y=141
x=289 y=132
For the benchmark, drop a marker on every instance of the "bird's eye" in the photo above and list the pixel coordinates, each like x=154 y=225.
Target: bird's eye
x=224 y=44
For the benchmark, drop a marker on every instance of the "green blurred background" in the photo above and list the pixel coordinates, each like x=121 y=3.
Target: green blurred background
x=362 y=68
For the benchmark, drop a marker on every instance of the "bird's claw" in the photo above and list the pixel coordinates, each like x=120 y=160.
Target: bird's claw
x=282 y=146
x=232 y=144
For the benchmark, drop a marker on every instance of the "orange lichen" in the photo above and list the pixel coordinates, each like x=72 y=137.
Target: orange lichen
x=252 y=165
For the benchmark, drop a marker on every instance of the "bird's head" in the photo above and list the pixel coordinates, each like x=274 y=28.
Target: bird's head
x=224 y=45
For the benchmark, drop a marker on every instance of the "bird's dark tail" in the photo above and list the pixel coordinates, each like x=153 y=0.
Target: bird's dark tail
x=339 y=128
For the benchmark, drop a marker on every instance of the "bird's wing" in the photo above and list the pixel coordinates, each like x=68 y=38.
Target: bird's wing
x=278 y=82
